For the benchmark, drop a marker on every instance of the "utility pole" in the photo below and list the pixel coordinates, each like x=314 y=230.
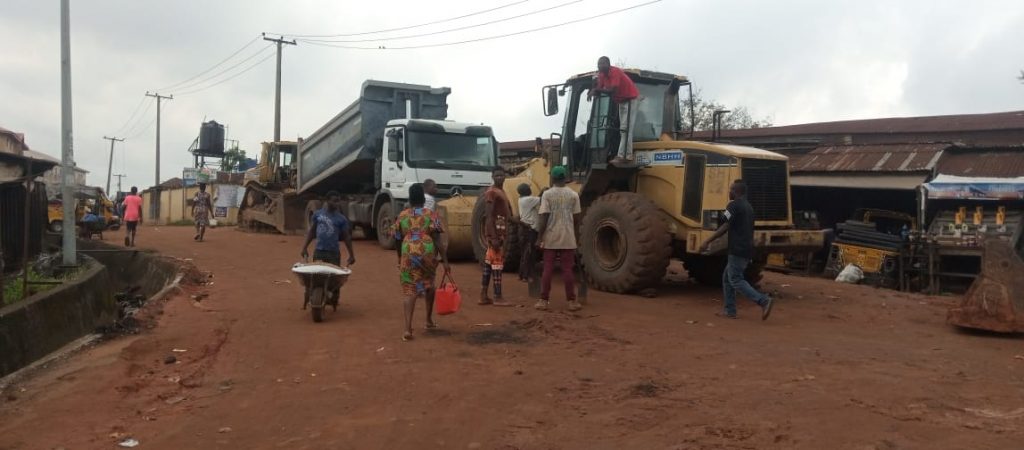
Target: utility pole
x=67 y=163
x=158 y=98
x=110 y=163
x=277 y=95
x=154 y=196
x=119 y=177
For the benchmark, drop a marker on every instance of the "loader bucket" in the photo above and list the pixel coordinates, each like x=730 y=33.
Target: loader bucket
x=995 y=301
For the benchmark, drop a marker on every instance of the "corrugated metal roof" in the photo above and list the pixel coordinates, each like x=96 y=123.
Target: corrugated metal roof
x=1010 y=120
x=870 y=158
x=1003 y=162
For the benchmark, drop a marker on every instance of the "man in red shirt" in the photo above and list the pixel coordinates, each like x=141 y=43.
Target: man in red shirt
x=613 y=81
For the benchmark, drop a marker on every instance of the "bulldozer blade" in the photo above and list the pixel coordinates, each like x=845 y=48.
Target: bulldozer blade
x=995 y=301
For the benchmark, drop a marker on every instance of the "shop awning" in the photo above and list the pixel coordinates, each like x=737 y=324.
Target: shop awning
x=975 y=188
x=903 y=181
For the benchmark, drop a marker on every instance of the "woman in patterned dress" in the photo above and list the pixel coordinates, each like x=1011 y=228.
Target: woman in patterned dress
x=422 y=243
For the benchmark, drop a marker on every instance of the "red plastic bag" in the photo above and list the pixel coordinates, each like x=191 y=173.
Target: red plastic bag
x=447 y=298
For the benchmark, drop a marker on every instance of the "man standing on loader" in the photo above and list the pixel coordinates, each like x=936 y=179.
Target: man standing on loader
x=613 y=81
x=739 y=223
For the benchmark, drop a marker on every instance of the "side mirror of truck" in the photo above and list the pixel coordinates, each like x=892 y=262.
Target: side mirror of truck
x=550 y=100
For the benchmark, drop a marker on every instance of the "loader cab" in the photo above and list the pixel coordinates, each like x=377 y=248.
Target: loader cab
x=277 y=163
x=590 y=129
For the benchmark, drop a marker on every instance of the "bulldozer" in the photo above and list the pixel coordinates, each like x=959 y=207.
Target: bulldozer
x=638 y=217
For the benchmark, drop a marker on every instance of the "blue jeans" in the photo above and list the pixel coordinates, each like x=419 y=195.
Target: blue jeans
x=733 y=280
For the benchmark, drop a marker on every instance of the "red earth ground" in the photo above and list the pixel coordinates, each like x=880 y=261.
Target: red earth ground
x=836 y=367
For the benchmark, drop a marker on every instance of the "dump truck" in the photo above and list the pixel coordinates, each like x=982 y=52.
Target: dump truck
x=637 y=217
x=392 y=136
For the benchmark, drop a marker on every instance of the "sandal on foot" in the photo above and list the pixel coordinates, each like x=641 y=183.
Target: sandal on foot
x=407 y=337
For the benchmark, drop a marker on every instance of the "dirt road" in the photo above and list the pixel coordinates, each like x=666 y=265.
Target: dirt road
x=835 y=367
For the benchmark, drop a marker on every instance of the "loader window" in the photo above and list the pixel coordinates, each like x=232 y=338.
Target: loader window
x=649 y=115
x=693 y=186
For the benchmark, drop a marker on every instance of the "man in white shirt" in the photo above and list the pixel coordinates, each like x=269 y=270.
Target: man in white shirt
x=429 y=191
x=559 y=211
x=529 y=219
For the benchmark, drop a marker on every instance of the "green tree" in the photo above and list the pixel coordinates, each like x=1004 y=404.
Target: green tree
x=233 y=159
x=739 y=117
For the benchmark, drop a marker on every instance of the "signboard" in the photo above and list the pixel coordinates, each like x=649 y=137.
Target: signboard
x=974 y=188
x=189 y=175
x=220 y=211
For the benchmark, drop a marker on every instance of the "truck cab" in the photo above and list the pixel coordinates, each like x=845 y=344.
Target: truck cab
x=458 y=156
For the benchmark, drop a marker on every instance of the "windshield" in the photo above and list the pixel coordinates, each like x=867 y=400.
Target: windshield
x=649 y=112
x=450 y=151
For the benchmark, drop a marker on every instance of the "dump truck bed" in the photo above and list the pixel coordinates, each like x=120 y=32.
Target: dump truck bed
x=342 y=153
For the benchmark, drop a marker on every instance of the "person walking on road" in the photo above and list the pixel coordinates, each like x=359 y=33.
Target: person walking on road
x=201 y=207
x=496 y=219
x=529 y=205
x=739 y=224
x=132 y=216
x=613 y=81
x=559 y=212
x=422 y=243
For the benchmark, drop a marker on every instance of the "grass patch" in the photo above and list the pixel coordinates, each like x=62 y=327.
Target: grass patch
x=13 y=292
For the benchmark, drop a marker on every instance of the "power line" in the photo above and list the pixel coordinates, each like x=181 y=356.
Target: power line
x=178 y=85
x=265 y=58
x=487 y=38
x=409 y=27
x=452 y=30
x=222 y=72
x=132 y=116
x=129 y=132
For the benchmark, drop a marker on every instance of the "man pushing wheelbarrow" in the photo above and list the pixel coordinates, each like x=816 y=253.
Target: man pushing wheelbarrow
x=323 y=280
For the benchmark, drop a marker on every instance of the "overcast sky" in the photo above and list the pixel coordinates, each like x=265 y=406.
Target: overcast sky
x=794 y=61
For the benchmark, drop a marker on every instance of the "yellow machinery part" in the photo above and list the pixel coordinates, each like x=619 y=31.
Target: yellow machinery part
x=870 y=260
x=457 y=218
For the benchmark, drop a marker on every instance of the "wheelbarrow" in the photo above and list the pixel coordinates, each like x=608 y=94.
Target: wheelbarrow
x=322 y=283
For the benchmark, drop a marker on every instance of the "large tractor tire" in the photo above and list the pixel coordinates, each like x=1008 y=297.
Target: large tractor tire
x=513 y=248
x=385 y=218
x=707 y=270
x=624 y=243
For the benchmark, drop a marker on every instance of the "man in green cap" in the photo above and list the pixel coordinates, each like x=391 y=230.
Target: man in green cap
x=559 y=212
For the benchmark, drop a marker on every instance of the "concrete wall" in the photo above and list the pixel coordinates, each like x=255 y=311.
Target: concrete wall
x=45 y=322
x=176 y=205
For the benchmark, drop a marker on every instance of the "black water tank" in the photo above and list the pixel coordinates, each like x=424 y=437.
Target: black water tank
x=211 y=138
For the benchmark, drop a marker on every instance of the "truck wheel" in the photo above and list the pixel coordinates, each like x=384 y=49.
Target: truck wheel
x=513 y=248
x=56 y=226
x=625 y=243
x=312 y=206
x=385 y=218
